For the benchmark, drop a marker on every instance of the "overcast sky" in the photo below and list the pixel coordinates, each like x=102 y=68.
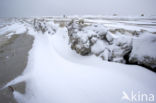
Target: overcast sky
x=76 y=7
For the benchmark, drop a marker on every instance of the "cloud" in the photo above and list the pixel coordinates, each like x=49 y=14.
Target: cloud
x=73 y=7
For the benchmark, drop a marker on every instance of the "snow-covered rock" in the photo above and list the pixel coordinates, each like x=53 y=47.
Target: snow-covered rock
x=96 y=39
x=80 y=36
x=117 y=45
x=40 y=25
x=99 y=47
x=144 y=50
x=114 y=44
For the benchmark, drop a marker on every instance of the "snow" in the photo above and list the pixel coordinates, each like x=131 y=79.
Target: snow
x=96 y=38
x=131 y=24
x=57 y=74
x=98 y=47
x=44 y=27
x=110 y=37
x=145 y=45
x=55 y=79
x=144 y=49
x=15 y=28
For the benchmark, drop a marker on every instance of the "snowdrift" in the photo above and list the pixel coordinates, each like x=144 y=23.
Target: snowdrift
x=57 y=74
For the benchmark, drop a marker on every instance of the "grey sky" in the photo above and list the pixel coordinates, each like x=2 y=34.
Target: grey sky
x=76 y=7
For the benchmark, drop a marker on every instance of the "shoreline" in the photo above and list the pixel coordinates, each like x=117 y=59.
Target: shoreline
x=13 y=60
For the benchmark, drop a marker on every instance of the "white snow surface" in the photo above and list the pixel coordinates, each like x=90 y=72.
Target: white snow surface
x=55 y=79
x=15 y=28
x=56 y=74
x=99 y=46
x=144 y=46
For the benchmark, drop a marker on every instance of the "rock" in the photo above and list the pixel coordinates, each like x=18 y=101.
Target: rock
x=110 y=37
x=122 y=46
x=81 y=37
x=97 y=40
x=40 y=25
x=106 y=55
x=99 y=47
x=144 y=51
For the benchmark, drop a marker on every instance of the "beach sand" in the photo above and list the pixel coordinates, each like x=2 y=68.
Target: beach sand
x=13 y=60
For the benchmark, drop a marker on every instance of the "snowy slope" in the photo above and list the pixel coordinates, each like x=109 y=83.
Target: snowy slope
x=54 y=78
x=57 y=74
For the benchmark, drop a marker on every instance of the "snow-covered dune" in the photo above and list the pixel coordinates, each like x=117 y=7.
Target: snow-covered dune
x=57 y=74
x=57 y=78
